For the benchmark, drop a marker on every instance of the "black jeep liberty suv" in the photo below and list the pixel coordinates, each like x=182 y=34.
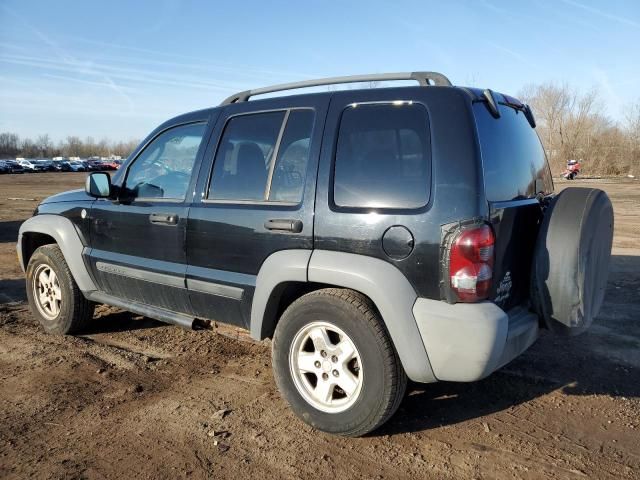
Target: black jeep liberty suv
x=376 y=235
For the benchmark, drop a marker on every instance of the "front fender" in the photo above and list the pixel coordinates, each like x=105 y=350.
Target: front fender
x=64 y=233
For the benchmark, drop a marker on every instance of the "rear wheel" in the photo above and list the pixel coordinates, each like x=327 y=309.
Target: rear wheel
x=335 y=364
x=325 y=367
x=54 y=298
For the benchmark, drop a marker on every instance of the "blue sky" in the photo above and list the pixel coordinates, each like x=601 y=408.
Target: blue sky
x=118 y=68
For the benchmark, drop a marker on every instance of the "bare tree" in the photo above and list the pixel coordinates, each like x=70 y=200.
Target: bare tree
x=572 y=125
x=580 y=124
x=632 y=133
x=551 y=104
x=73 y=147
x=28 y=148
x=632 y=123
x=44 y=145
x=9 y=145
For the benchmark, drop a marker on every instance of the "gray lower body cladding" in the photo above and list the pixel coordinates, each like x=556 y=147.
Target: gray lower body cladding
x=61 y=229
x=468 y=341
x=392 y=294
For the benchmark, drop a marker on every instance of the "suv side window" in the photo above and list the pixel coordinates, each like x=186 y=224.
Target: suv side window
x=382 y=157
x=163 y=169
x=244 y=168
x=287 y=183
x=241 y=165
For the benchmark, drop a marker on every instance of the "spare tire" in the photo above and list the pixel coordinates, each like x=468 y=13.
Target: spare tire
x=571 y=260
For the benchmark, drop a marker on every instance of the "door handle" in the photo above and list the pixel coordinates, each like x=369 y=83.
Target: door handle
x=163 y=219
x=284 y=225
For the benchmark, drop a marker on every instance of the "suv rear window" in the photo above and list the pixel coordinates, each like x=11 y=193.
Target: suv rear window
x=514 y=163
x=383 y=157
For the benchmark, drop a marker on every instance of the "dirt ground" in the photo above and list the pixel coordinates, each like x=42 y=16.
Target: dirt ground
x=134 y=398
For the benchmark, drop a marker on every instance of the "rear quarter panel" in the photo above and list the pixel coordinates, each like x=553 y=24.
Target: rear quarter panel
x=456 y=186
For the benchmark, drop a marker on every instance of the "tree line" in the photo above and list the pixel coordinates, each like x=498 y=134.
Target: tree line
x=572 y=126
x=12 y=146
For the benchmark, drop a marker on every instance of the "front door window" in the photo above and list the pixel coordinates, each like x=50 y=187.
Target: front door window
x=163 y=169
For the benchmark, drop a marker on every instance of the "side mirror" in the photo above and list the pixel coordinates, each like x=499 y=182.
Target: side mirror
x=98 y=185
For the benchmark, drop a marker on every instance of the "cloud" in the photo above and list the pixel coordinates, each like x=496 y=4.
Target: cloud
x=614 y=102
x=133 y=75
x=600 y=13
x=69 y=59
x=509 y=52
x=85 y=82
x=236 y=69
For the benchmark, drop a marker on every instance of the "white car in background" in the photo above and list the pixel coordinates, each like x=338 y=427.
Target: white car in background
x=28 y=166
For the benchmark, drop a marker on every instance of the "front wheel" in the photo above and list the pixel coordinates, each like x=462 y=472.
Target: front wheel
x=335 y=364
x=54 y=298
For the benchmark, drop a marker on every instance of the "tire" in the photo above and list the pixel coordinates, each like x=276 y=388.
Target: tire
x=571 y=260
x=353 y=409
x=67 y=311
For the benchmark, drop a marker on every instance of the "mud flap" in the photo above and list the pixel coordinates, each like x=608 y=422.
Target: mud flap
x=571 y=260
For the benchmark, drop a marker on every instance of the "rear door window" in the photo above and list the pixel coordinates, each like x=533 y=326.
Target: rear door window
x=382 y=157
x=287 y=183
x=514 y=162
x=241 y=165
x=263 y=157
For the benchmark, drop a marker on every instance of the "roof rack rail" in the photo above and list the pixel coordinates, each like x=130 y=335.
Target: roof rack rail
x=423 y=78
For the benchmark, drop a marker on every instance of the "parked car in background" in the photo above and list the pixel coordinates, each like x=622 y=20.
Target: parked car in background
x=4 y=167
x=57 y=165
x=109 y=165
x=94 y=165
x=28 y=166
x=77 y=166
x=71 y=166
x=14 y=166
x=44 y=165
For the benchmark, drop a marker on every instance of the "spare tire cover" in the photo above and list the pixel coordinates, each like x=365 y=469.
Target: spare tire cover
x=571 y=260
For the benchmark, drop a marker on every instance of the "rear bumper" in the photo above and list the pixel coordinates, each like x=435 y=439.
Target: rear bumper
x=467 y=342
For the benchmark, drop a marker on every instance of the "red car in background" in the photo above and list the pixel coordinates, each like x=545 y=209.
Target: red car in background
x=110 y=164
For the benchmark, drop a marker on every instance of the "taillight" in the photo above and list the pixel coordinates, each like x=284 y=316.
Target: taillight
x=471 y=263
